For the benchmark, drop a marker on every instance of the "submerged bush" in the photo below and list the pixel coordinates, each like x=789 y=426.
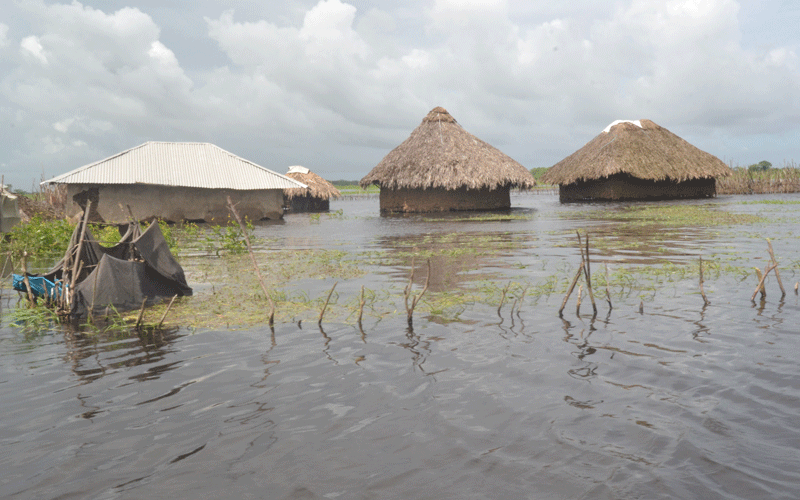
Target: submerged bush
x=46 y=241
x=40 y=238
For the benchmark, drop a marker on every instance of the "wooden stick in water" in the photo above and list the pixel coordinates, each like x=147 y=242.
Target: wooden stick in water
x=588 y=273
x=141 y=314
x=361 y=307
x=78 y=262
x=415 y=299
x=322 y=313
x=760 y=286
x=777 y=272
x=232 y=208
x=571 y=287
x=702 y=292
x=521 y=298
x=31 y=298
x=161 y=321
x=503 y=299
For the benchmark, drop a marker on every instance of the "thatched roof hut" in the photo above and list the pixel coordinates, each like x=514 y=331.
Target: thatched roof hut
x=443 y=167
x=636 y=160
x=314 y=198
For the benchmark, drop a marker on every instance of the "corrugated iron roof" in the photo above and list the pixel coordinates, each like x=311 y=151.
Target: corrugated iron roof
x=185 y=164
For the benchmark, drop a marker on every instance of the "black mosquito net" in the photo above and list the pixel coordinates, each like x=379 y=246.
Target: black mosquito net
x=139 y=268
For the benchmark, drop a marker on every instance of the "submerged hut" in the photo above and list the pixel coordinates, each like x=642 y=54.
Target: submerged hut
x=313 y=198
x=442 y=167
x=174 y=181
x=636 y=160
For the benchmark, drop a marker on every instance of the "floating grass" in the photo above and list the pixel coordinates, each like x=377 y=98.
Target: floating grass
x=673 y=215
x=770 y=202
x=484 y=217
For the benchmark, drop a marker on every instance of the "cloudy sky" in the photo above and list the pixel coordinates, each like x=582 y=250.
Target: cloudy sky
x=334 y=85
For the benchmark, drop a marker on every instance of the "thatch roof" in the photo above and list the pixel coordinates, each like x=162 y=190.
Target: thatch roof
x=441 y=154
x=317 y=186
x=641 y=149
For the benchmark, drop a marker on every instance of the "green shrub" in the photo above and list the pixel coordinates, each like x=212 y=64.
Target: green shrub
x=41 y=239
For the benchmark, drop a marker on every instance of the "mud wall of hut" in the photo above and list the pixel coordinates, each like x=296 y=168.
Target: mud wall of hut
x=307 y=204
x=173 y=203
x=444 y=200
x=624 y=187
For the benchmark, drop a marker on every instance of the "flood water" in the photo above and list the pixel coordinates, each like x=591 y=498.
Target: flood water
x=660 y=397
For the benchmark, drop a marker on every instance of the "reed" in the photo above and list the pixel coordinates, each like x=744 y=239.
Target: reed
x=772 y=181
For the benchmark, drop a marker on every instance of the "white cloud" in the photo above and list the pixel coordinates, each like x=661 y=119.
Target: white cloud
x=417 y=59
x=52 y=145
x=459 y=12
x=4 y=42
x=110 y=66
x=83 y=125
x=330 y=81
x=162 y=55
x=31 y=46
x=328 y=32
x=324 y=62
x=63 y=125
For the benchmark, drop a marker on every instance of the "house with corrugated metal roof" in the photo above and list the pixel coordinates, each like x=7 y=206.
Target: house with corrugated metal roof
x=175 y=181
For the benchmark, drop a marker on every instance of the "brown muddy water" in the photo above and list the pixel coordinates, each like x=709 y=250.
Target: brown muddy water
x=661 y=397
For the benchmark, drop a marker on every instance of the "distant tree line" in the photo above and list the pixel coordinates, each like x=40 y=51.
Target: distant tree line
x=537 y=172
x=761 y=166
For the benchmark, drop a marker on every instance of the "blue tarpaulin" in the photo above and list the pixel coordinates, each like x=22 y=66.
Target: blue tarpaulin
x=41 y=287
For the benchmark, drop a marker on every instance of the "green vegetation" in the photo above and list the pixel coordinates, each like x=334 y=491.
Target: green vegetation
x=470 y=269
x=43 y=240
x=33 y=319
x=538 y=172
x=761 y=178
x=668 y=215
x=214 y=239
x=46 y=241
x=770 y=202
x=761 y=166
x=482 y=217
x=351 y=188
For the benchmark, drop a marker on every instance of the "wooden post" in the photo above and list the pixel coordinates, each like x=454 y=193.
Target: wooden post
x=588 y=272
x=141 y=314
x=777 y=273
x=521 y=298
x=571 y=287
x=31 y=298
x=169 y=306
x=503 y=299
x=760 y=286
x=415 y=299
x=78 y=261
x=322 y=313
x=361 y=307
x=253 y=259
x=702 y=292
